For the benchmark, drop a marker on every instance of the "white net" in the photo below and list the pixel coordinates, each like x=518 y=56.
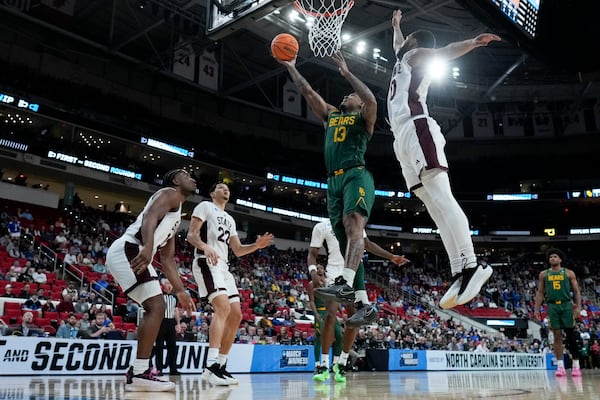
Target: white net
x=327 y=17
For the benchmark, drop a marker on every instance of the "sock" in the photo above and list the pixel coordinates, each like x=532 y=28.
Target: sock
x=336 y=359
x=576 y=364
x=140 y=366
x=222 y=359
x=361 y=295
x=212 y=356
x=325 y=360
x=343 y=358
x=348 y=275
x=560 y=364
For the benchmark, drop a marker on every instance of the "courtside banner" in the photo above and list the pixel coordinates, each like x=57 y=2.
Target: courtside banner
x=191 y=357
x=438 y=360
x=407 y=360
x=277 y=358
x=48 y=356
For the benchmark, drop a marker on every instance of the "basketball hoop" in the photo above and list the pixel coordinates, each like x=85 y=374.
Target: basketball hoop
x=328 y=17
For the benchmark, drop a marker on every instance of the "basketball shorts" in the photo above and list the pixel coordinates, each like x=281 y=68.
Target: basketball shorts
x=419 y=145
x=352 y=191
x=138 y=287
x=214 y=280
x=332 y=272
x=560 y=316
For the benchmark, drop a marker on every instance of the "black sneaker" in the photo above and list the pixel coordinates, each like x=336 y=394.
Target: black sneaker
x=230 y=378
x=472 y=282
x=339 y=291
x=146 y=382
x=214 y=376
x=364 y=315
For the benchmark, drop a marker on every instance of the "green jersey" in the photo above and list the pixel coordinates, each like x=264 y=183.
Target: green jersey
x=346 y=141
x=558 y=286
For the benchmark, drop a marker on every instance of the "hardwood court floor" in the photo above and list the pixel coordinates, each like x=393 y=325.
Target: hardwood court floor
x=510 y=385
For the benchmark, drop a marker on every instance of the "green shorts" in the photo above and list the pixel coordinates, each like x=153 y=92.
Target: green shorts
x=352 y=191
x=560 y=316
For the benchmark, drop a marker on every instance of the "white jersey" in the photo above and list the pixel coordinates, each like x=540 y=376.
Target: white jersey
x=323 y=233
x=220 y=227
x=407 y=95
x=166 y=228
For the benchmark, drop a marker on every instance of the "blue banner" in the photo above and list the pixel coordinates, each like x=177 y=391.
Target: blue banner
x=405 y=360
x=275 y=358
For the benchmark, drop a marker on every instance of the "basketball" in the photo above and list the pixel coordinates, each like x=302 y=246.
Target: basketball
x=284 y=47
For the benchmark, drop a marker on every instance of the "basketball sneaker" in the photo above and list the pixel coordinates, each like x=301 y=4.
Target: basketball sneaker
x=560 y=372
x=339 y=373
x=321 y=374
x=576 y=372
x=472 y=281
x=339 y=291
x=146 y=382
x=231 y=380
x=364 y=315
x=212 y=375
x=449 y=298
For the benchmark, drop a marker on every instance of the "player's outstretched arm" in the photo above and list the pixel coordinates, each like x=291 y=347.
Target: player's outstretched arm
x=398 y=35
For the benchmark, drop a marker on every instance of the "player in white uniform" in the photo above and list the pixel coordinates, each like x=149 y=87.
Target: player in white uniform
x=215 y=282
x=323 y=235
x=419 y=147
x=129 y=260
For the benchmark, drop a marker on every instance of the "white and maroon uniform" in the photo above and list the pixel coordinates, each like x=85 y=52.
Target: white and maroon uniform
x=145 y=285
x=418 y=140
x=220 y=227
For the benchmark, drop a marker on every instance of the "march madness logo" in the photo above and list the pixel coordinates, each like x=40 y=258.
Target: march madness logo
x=294 y=358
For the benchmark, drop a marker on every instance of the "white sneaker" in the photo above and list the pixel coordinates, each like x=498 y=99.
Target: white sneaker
x=146 y=382
x=472 y=281
x=214 y=376
x=449 y=298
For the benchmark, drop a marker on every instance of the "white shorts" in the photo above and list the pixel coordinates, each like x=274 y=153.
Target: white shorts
x=332 y=272
x=138 y=287
x=419 y=145
x=215 y=280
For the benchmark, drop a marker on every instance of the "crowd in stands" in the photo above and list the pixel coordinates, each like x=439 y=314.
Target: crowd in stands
x=272 y=285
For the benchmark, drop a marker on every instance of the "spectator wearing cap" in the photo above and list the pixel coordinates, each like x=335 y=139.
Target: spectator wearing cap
x=9 y=291
x=33 y=303
x=81 y=305
x=71 y=291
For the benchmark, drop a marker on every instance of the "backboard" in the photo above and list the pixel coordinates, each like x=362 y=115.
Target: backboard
x=227 y=16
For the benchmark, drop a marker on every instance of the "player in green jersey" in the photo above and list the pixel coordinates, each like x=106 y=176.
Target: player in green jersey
x=351 y=190
x=555 y=287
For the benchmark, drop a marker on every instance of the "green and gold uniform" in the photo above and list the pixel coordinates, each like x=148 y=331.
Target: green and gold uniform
x=337 y=330
x=558 y=297
x=350 y=187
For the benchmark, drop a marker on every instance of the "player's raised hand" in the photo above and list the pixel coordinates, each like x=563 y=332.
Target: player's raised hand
x=288 y=64
x=396 y=17
x=485 y=38
x=340 y=61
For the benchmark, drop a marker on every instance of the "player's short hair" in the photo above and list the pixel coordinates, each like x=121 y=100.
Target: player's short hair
x=556 y=251
x=170 y=176
x=424 y=38
x=214 y=186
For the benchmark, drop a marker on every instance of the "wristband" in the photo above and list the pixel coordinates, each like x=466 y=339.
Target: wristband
x=312 y=268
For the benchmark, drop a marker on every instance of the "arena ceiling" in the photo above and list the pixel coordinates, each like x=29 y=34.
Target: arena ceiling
x=148 y=31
